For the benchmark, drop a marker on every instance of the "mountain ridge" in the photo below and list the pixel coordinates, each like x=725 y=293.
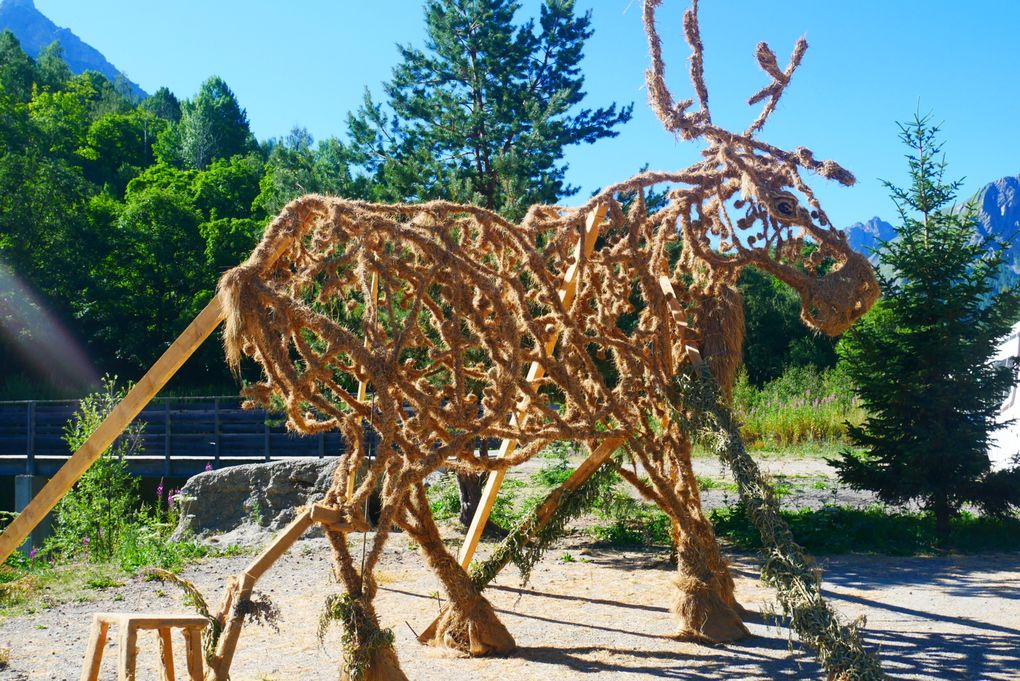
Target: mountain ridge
x=35 y=31
x=998 y=215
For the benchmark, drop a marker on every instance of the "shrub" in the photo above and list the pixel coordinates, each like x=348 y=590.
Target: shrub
x=93 y=517
x=102 y=518
x=839 y=529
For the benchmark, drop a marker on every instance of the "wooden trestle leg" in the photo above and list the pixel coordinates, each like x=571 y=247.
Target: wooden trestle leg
x=585 y=246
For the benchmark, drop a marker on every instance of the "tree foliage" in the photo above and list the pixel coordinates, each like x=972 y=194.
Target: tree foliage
x=296 y=166
x=922 y=359
x=114 y=213
x=484 y=112
x=776 y=339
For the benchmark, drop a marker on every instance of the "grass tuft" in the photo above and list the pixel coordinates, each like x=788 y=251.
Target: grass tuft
x=801 y=406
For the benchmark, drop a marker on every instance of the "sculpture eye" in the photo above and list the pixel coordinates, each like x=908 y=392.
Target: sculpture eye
x=783 y=205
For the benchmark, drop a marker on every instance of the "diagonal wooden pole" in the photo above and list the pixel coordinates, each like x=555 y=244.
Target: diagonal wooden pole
x=352 y=478
x=200 y=328
x=585 y=246
x=112 y=426
x=605 y=449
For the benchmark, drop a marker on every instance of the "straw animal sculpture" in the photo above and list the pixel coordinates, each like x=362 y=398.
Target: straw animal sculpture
x=442 y=308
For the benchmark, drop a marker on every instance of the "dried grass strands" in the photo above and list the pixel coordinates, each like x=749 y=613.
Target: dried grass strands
x=468 y=301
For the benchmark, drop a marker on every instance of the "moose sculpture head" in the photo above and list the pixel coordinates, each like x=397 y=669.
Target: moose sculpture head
x=777 y=213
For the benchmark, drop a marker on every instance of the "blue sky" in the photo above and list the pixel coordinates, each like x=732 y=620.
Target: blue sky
x=871 y=63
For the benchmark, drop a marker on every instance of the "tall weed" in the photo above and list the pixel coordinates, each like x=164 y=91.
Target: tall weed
x=803 y=405
x=103 y=518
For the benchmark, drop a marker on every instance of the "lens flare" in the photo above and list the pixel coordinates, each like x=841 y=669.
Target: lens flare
x=46 y=349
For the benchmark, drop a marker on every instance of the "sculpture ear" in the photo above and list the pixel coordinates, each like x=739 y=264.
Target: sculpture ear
x=747 y=190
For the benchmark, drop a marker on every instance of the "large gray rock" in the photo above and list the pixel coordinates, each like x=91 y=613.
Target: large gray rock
x=246 y=502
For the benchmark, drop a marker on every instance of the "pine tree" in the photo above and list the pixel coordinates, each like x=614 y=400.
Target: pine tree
x=483 y=114
x=922 y=359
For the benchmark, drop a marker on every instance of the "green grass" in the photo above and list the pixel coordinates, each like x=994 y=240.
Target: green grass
x=706 y=483
x=444 y=497
x=26 y=590
x=644 y=525
x=516 y=497
x=101 y=582
x=27 y=585
x=622 y=520
x=553 y=474
x=771 y=452
x=840 y=529
x=801 y=406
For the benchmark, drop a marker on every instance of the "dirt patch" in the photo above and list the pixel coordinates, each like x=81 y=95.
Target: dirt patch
x=587 y=612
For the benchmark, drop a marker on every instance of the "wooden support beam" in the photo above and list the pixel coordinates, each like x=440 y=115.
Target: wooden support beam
x=193 y=653
x=114 y=424
x=679 y=320
x=166 y=654
x=362 y=392
x=279 y=545
x=577 y=478
x=233 y=620
x=94 y=654
x=568 y=290
x=335 y=521
x=127 y=662
x=239 y=588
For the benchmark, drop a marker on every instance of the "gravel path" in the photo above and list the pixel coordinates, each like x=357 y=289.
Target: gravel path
x=600 y=612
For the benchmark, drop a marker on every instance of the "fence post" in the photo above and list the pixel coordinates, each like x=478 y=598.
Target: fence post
x=265 y=426
x=216 y=426
x=166 y=437
x=30 y=467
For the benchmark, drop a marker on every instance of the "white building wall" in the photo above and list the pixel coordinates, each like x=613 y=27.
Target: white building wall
x=1005 y=445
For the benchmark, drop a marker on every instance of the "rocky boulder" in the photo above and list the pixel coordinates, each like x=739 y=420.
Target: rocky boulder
x=249 y=501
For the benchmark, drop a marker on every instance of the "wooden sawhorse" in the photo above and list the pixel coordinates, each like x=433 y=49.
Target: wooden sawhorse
x=130 y=624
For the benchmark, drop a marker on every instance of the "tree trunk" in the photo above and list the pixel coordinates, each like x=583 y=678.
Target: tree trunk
x=943 y=514
x=470 y=486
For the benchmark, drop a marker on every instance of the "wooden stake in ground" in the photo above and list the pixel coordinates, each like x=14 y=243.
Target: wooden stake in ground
x=584 y=248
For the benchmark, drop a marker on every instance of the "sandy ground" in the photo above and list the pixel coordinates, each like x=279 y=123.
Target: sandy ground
x=601 y=613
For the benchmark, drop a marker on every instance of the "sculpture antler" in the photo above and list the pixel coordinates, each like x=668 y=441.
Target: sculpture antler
x=780 y=79
x=674 y=115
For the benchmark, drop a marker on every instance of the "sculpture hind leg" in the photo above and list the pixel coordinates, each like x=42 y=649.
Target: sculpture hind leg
x=705 y=602
x=368 y=653
x=468 y=624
